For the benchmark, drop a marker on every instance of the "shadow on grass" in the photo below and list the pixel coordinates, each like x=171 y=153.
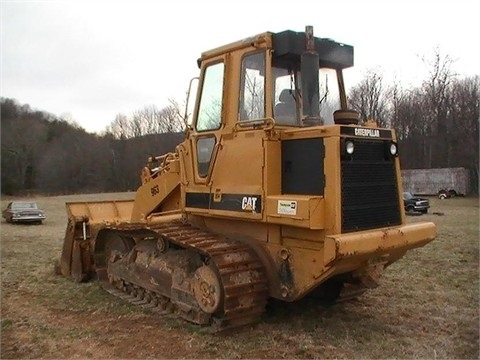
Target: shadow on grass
x=310 y=313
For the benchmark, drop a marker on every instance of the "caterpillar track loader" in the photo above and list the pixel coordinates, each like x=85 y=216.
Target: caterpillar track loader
x=276 y=191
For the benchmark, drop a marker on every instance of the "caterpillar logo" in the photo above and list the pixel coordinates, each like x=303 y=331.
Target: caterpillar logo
x=367 y=132
x=249 y=203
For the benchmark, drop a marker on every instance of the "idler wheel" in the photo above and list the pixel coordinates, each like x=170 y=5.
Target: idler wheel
x=116 y=246
x=162 y=245
x=207 y=289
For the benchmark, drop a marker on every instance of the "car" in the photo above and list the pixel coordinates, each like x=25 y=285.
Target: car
x=446 y=194
x=23 y=212
x=413 y=203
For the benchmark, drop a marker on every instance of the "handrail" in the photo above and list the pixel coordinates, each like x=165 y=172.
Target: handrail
x=269 y=124
x=213 y=161
x=164 y=161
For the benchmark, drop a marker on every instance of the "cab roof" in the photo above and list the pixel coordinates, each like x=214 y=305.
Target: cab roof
x=288 y=46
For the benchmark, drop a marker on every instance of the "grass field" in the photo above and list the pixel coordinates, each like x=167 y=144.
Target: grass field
x=426 y=307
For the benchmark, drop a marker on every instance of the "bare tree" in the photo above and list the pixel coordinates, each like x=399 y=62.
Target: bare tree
x=174 y=118
x=437 y=95
x=146 y=121
x=370 y=98
x=464 y=119
x=120 y=127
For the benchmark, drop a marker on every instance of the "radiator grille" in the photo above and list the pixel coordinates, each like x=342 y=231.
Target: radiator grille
x=369 y=188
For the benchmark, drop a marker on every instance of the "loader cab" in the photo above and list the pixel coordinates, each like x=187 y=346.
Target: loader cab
x=290 y=77
x=283 y=80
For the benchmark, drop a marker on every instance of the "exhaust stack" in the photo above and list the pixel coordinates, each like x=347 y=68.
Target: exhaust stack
x=310 y=82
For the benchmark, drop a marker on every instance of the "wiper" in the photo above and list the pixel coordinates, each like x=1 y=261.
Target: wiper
x=324 y=98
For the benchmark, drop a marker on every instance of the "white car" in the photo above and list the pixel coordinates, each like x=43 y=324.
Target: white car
x=23 y=212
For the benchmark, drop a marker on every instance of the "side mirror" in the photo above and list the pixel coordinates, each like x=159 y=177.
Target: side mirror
x=190 y=104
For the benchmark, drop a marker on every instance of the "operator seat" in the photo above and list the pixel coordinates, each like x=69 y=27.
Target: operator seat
x=284 y=112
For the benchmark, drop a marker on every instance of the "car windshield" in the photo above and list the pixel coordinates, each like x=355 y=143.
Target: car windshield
x=407 y=196
x=24 y=205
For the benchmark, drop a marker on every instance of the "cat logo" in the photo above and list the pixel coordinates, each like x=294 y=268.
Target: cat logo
x=249 y=203
x=367 y=132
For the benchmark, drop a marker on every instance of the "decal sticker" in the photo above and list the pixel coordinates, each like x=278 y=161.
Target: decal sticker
x=230 y=202
x=249 y=203
x=367 y=132
x=287 y=207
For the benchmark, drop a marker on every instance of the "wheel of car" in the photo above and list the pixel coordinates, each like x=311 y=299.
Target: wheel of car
x=410 y=208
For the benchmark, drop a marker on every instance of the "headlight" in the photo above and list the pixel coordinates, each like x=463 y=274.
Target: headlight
x=349 y=147
x=390 y=149
x=393 y=149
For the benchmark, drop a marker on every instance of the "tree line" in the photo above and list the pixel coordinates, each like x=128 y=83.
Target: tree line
x=437 y=125
x=43 y=153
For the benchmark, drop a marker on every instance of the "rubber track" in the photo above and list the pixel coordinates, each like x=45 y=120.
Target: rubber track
x=244 y=301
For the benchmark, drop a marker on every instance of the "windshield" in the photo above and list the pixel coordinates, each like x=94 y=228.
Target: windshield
x=24 y=205
x=286 y=85
x=407 y=196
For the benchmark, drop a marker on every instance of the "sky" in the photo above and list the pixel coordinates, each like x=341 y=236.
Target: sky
x=87 y=61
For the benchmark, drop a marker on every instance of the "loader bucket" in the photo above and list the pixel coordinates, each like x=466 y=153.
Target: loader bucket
x=85 y=220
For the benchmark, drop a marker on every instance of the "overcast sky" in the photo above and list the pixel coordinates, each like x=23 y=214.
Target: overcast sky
x=90 y=60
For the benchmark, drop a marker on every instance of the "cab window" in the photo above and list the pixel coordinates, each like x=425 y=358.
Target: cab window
x=252 y=91
x=205 y=147
x=285 y=84
x=210 y=109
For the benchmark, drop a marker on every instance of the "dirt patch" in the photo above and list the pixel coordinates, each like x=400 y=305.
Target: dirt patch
x=426 y=307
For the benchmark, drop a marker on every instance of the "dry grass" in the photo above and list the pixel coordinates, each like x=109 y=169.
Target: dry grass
x=426 y=307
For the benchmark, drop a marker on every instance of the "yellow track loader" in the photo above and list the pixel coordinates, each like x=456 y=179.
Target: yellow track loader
x=277 y=191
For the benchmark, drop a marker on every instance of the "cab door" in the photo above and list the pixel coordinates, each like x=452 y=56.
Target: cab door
x=237 y=175
x=204 y=138
x=226 y=141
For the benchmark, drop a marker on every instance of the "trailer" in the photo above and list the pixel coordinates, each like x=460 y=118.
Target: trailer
x=448 y=181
